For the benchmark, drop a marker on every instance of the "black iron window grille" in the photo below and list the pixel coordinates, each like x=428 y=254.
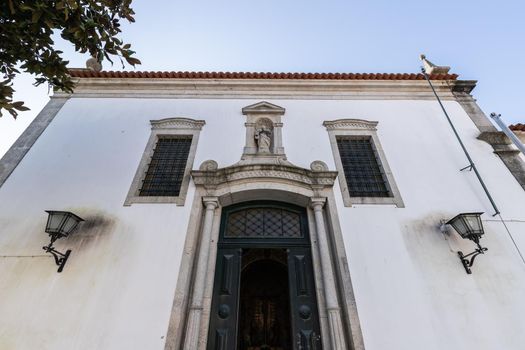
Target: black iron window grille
x=264 y=222
x=363 y=172
x=166 y=169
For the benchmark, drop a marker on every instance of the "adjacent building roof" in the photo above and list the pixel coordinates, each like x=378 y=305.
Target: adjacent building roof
x=87 y=73
x=517 y=127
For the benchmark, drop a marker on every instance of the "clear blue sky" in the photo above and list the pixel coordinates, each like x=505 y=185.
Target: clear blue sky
x=481 y=40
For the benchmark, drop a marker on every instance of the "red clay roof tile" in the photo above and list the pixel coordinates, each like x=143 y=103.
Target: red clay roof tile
x=517 y=127
x=85 y=73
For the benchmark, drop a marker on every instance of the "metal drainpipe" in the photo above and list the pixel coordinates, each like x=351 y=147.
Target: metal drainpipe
x=508 y=132
x=471 y=165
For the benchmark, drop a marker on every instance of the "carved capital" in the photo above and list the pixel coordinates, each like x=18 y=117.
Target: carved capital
x=317 y=203
x=210 y=202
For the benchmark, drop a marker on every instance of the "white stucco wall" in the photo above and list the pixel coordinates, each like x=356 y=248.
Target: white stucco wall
x=117 y=288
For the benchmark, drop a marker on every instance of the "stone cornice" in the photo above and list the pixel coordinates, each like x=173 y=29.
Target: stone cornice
x=495 y=138
x=177 y=123
x=260 y=89
x=462 y=85
x=276 y=173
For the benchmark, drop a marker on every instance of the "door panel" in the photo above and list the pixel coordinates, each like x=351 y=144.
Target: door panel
x=265 y=226
x=224 y=311
x=303 y=300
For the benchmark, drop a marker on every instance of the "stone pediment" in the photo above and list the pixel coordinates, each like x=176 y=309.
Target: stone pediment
x=263 y=107
x=210 y=176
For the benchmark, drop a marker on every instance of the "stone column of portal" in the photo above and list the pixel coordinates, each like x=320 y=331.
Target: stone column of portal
x=194 y=319
x=335 y=324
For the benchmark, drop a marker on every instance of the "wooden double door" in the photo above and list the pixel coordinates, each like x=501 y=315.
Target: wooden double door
x=264 y=290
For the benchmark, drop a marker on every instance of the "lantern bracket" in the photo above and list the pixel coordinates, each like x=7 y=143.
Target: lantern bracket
x=60 y=258
x=467 y=264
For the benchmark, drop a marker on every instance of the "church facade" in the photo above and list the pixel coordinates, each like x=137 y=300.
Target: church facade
x=262 y=211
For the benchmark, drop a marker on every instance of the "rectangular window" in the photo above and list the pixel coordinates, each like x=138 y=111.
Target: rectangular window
x=167 y=166
x=361 y=166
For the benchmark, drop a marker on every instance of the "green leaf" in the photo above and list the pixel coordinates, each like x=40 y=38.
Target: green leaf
x=20 y=106
x=133 y=61
x=26 y=40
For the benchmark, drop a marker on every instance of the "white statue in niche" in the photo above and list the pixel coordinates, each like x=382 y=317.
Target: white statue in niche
x=263 y=137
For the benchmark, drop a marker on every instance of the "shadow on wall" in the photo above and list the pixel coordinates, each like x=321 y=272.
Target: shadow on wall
x=427 y=246
x=98 y=226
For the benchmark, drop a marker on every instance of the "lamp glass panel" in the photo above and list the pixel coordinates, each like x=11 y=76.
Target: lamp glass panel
x=69 y=225
x=474 y=223
x=55 y=221
x=460 y=227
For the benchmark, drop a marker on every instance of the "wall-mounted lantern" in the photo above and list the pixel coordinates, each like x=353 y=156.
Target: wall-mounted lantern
x=469 y=226
x=60 y=224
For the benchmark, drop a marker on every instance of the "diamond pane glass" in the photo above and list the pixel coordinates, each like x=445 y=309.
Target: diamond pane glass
x=264 y=223
x=254 y=222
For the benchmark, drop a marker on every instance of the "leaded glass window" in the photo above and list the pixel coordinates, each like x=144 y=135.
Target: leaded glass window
x=264 y=222
x=363 y=172
x=166 y=169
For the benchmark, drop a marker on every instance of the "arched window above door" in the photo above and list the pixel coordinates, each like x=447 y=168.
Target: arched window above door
x=263 y=222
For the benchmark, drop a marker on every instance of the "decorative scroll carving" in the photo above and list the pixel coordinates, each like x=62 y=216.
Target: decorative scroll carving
x=178 y=123
x=350 y=124
x=277 y=174
x=208 y=165
x=318 y=165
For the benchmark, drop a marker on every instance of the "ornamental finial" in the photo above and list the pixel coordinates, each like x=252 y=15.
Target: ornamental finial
x=431 y=68
x=93 y=64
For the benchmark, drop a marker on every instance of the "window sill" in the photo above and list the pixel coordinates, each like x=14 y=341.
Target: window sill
x=179 y=200
x=351 y=201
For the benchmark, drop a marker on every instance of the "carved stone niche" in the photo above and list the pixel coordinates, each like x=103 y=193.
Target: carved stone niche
x=264 y=142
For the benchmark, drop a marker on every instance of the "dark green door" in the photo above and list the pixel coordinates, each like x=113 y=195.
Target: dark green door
x=263 y=238
x=224 y=311
x=305 y=321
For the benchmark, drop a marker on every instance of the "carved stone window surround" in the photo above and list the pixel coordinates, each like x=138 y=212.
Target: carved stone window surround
x=361 y=128
x=166 y=127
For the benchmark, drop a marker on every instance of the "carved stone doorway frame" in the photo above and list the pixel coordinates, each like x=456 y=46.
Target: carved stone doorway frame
x=220 y=187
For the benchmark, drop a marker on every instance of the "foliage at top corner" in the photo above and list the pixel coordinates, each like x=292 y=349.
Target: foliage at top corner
x=26 y=44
